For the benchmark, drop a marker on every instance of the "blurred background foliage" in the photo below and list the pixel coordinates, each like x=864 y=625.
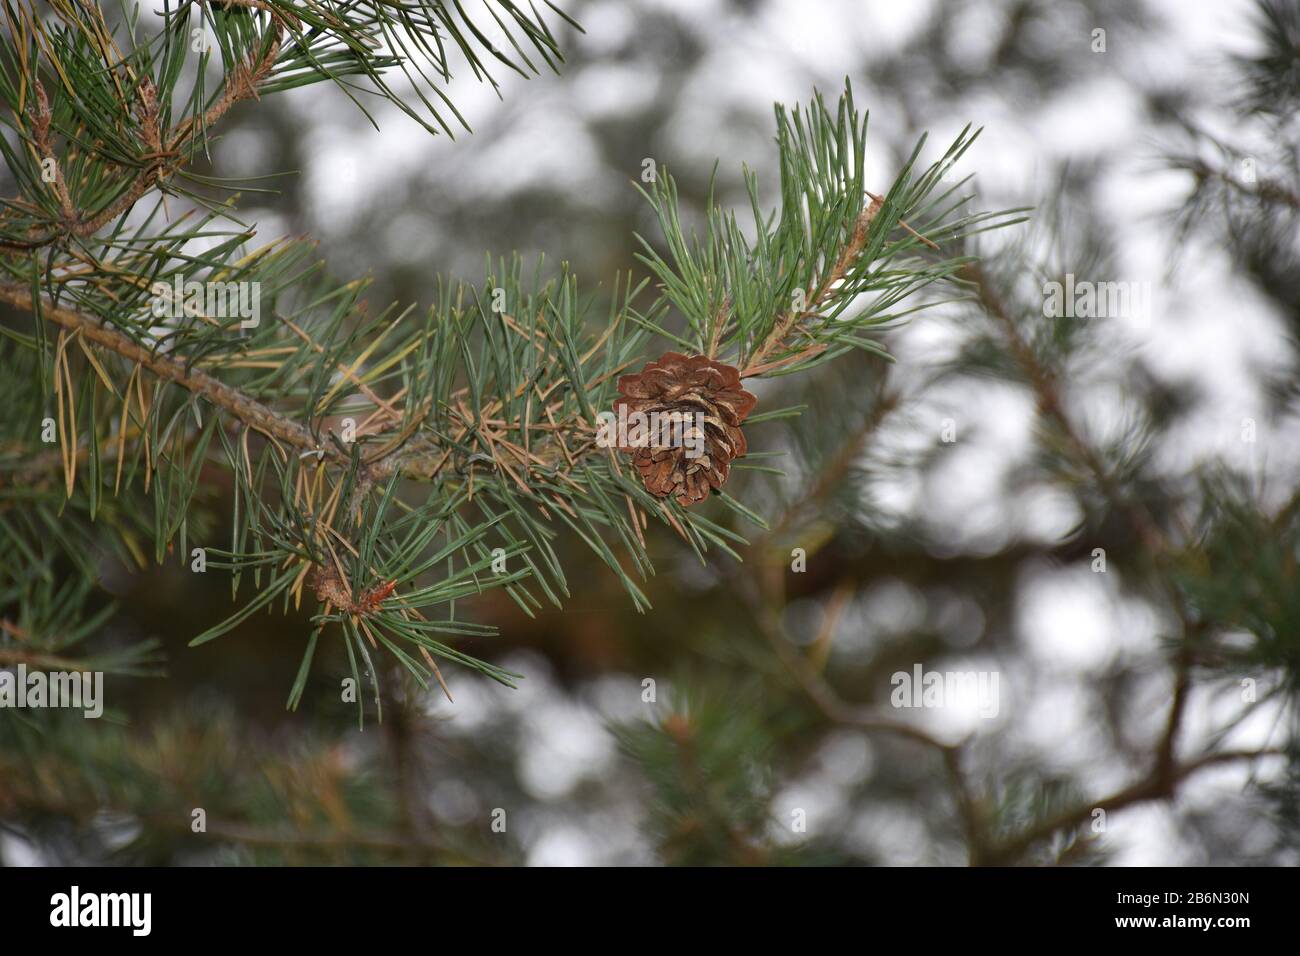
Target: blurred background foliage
x=770 y=739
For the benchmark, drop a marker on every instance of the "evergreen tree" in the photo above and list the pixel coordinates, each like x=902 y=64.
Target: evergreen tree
x=182 y=392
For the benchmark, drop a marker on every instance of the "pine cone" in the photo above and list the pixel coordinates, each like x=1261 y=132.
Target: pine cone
x=690 y=461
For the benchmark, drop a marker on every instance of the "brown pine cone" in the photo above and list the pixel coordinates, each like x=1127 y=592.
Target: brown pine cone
x=710 y=395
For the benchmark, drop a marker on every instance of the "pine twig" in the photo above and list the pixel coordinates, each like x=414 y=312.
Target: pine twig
x=247 y=409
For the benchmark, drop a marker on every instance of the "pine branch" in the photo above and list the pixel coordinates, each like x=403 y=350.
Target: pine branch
x=1047 y=395
x=490 y=402
x=816 y=298
x=1161 y=785
x=248 y=410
